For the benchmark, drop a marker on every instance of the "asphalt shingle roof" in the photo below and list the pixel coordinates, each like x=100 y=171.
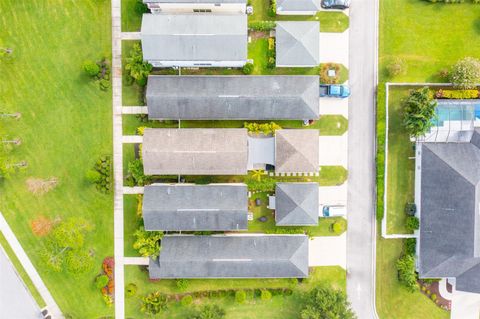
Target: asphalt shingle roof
x=297 y=43
x=296 y=151
x=195 y=1
x=243 y=256
x=296 y=204
x=233 y=97
x=298 y=5
x=213 y=207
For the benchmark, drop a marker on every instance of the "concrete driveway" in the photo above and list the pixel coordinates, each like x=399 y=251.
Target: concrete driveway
x=334 y=106
x=333 y=150
x=333 y=195
x=328 y=251
x=465 y=305
x=15 y=299
x=334 y=47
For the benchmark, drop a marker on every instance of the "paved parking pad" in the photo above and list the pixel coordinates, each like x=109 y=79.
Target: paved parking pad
x=333 y=195
x=334 y=106
x=328 y=251
x=333 y=150
x=334 y=47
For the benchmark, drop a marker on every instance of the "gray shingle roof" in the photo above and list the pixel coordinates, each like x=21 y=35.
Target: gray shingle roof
x=298 y=5
x=297 y=43
x=450 y=225
x=195 y=151
x=194 y=1
x=194 y=37
x=233 y=97
x=214 y=207
x=296 y=204
x=296 y=151
x=245 y=256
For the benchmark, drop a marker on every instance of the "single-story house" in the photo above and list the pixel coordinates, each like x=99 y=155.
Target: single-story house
x=298 y=7
x=233 y=97
x=188 y=207
x=194 y=40
x=295 y=204
x=195 y=151
x=447 y=195
x=189 y=6
x=235 y=256
x=296 y=151
x=297 y=43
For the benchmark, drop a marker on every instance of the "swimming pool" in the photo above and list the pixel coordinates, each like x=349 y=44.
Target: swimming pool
x=456 y=110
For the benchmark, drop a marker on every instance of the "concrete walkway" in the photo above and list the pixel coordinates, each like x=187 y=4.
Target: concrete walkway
x=130 y=35
x=37 y=281
x=132 y=190
x=132 y=139
x=141 y=261
x=134 y=110
x=117 y=159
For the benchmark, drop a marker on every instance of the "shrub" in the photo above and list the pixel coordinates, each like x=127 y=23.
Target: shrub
x=209 y=312
x=101 y=281
x=182 y=284
x=139 y=205
x=264 y=128
x=240 y=296
x=419 y=112
x=140 y=7
x=410 y=209
x=273 y=8
x=413 y=223
x=465 y=73
x=108 y=300
x=100 y=175
x=266 y=295
x=153 y=303
x=271 y=62
x=456 y=94
x=337 y=227
x=247 y=69
x=91 y=68
x=261 y=25
x=104 y=84
x=136 y=67
x=323 y=303
x=187 y=300
x=406 y=272
x=396 y=67
x=147 y=243
x=135 y=170
x=444 y=74
x=433 y=297
x=93 y=176
x=131 y=289
x=410 y=244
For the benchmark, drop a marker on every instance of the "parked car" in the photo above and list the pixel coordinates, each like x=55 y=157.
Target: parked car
x=334 y=90
x=334 y=211
x=335 y=4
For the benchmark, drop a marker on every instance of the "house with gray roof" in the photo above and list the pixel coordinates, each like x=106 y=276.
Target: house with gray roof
x=194 y=6
x=194 y=40
x=298 y=7
x=447 y=194
x=189 y=207
x=195 y=151
x=296 y=151
x=297 y=43
x=234 y=256
x=234 y=97
x=296 y=204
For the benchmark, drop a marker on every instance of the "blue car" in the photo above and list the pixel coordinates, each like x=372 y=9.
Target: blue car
x=335 y=4
x=334 y=90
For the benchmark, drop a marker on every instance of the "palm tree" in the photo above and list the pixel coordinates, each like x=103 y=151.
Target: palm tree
x=257 y=174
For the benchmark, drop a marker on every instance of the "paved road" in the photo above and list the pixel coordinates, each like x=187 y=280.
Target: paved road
x=15 y=300
x=361 y=222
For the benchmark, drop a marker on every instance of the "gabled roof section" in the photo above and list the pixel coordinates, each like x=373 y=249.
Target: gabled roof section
x=298 y=5
x=196 y=1
x=243 y=256
x=296 y=151
x=296 y=204
x=194 y=37
x=450 y=222
x=184 y=207
x=297 y=43
x=233 y=97
x=195 y=151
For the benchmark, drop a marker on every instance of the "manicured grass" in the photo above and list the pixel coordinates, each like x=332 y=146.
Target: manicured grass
x=21 y=271
x=65 y=126
x=278 y=307
x=131 y=223
x=428 y=37
x=401 y=166
x=393 y=300
x=131 y=20
x=329 y=21
x=132 y=94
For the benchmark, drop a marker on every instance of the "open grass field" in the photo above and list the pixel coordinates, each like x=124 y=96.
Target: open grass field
x=281 y=307
x=65 y=126
x=428 y=37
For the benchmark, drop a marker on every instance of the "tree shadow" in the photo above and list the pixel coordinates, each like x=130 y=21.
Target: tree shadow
x=476 y=25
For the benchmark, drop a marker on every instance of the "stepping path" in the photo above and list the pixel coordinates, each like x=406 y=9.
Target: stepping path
x=130 y=35
x=132 y=190
x=37 y=281
x=141 y=261
x=134 y=110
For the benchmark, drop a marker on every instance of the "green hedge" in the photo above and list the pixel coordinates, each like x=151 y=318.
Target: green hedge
x=380 y=160
x=453 y=1
x=261 y=25
x=456 y=94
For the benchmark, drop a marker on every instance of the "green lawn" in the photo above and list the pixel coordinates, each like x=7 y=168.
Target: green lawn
x=131 y=20
x=428 y=37
x=65 y=126
x=329 y=21
x=21 y=271
x=131 y=94
x=401 y=168
x=281 y=307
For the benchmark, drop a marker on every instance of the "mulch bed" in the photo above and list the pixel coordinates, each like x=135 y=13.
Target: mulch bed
x=433 y=288
x=258 y=34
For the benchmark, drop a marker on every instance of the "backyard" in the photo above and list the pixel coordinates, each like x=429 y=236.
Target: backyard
x=64 y=128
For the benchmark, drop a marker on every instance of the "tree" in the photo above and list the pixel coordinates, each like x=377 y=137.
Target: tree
x=91 y=68
x=153 y=303
x=257 y=174
x=210 y=312
x=147 y=242
x=406 y=272
x=78 y=261
x=419 y=112
x=136 y=67
x=247 y=68
x=326 y=303
x=465 y=73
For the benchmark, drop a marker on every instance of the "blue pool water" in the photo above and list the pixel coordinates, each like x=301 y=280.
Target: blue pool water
x=459 y=110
